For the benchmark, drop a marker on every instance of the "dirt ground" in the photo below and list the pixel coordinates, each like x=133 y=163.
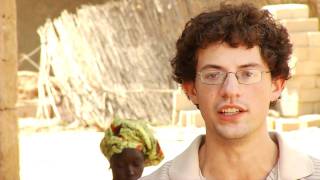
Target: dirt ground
x=75 y=154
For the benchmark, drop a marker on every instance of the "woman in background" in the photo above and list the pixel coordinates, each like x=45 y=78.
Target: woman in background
x=130 y=146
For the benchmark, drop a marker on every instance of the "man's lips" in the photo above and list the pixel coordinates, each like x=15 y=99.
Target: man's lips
x=231 y=109
x=231 y=112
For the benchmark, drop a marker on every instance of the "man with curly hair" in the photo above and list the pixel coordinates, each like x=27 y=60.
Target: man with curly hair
x=233 y=65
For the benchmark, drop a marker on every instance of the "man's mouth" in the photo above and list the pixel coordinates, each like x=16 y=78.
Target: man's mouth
x=229 y=110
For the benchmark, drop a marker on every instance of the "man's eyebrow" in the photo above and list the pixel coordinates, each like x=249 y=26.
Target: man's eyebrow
x=209 y=66
x=249 y=65
x=255 y=65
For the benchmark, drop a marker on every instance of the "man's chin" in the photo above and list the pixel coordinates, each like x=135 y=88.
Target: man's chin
x=232 y=131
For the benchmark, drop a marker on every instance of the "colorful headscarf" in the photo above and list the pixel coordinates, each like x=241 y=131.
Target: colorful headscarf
x=131 y=134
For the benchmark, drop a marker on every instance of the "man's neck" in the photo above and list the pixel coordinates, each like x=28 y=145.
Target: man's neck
x=247 y=158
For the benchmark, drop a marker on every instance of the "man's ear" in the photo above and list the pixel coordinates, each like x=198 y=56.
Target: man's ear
x=277 y=87
x=190 y=90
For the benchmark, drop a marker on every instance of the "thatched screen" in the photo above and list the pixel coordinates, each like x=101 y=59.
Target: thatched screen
x=112 y=60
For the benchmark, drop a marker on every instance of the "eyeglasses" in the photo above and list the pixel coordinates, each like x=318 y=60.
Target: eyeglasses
x=214 y=77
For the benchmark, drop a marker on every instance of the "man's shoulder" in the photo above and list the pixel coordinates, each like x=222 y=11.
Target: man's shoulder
x=186 y=162
x=160 y=174
x=316 y=168
x=315 y=161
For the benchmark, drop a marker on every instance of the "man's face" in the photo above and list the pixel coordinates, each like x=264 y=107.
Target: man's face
x=232 y=110
x=128 y=165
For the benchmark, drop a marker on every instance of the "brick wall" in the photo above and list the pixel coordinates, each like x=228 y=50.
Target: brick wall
x=302 y=95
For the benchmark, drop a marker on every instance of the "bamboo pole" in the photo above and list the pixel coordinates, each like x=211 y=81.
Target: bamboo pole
x=9 y=153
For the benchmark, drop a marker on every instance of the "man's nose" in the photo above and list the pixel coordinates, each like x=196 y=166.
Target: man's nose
x=230 y=87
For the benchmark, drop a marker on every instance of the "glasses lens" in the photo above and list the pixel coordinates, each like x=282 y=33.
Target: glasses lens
x=212 y=77
x=248 y=76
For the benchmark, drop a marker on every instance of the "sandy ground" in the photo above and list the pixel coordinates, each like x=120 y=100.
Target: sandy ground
x=75 y=155
x=68 y=155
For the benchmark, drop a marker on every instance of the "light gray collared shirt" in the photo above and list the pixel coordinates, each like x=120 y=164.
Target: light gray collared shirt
x=291 y=165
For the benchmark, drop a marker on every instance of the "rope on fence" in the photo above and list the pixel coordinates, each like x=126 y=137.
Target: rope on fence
x=27 y=57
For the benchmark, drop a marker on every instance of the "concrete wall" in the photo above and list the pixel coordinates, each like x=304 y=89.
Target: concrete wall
x=302 y=94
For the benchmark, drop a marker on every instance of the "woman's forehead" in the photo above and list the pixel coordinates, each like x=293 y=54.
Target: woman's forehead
x=128 y=154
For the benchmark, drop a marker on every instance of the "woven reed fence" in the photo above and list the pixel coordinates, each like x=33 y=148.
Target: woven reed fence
x=112 y=60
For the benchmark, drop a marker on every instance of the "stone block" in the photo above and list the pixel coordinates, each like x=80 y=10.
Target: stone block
x=314 y=38
x=180 y=102
x=185 y=118
x=294 y=95
x=318 y=81
x=27 y=85
x=301 y=52
x=314 y=53
x=300 y=24
x=305 y=82
x=312 y=120
x=305 y=108
x=299 y=39
x=28 y=108
x=182 y=118
x=190 y=118
x=309 y=95
x=315 y=123
x=303 y=39
x=287 y=124
x=306 y=68
x=290 y=127
x=287 y=11
x=296 y=101
x=198 y=119
x=296 y=108
x=307 y=53
x=9 y=152
x=316 y=108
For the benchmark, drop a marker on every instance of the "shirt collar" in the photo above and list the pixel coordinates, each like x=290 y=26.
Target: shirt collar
x=186 y=165
x=292 y=164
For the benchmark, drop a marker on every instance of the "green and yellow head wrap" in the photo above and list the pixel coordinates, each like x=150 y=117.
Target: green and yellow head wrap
x=131 y=134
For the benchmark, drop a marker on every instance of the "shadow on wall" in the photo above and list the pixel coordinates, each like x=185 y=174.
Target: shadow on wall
x=33 y=13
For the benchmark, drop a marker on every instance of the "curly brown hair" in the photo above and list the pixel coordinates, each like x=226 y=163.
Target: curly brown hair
x=236 y=25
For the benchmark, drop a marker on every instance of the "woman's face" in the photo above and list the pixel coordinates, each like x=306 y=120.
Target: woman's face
x=128 y=165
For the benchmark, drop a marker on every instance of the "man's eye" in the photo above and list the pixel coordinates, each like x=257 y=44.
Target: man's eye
x=213 y=75
x=248 y=74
